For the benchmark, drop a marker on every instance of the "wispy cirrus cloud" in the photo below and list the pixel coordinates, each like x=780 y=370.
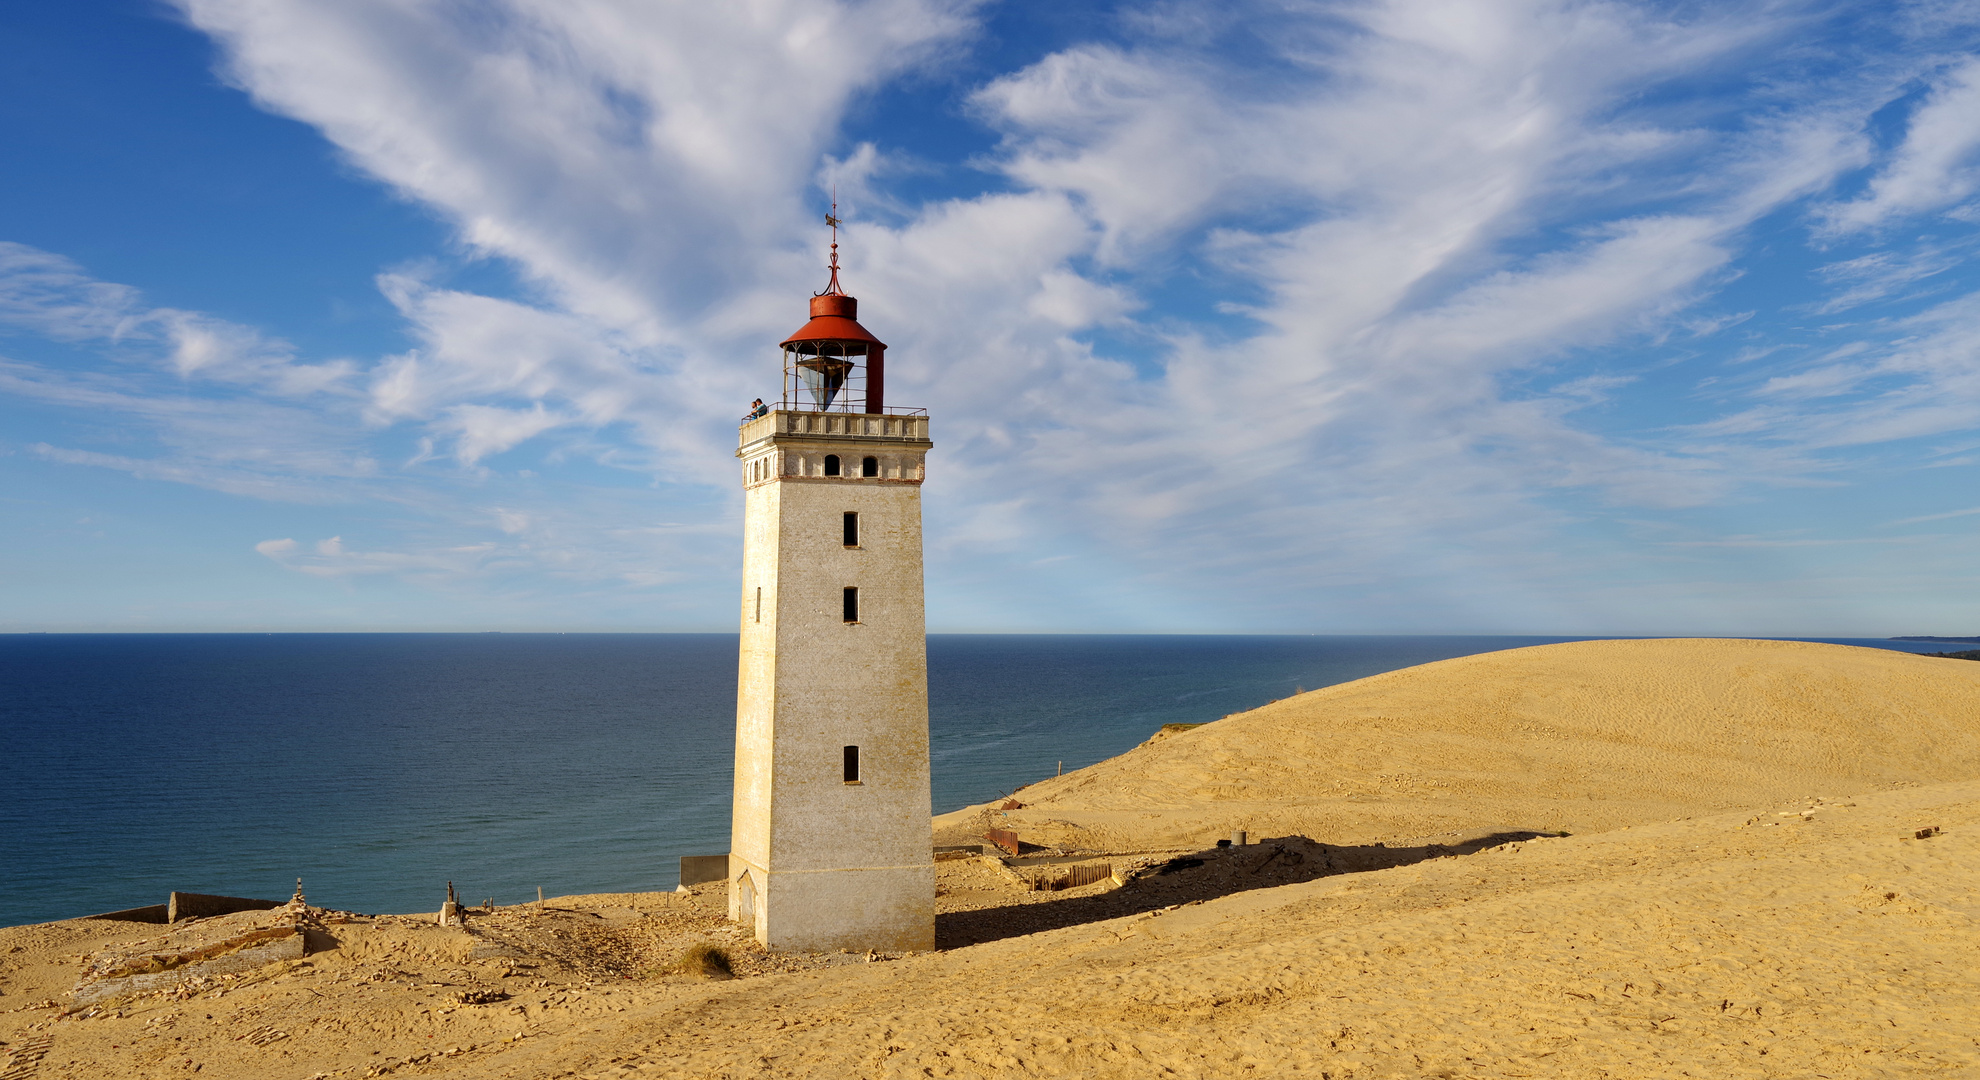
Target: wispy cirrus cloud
x=188 y=398
x=52 y=296
x=1377 y=200
x=1922 y=380
x=331 y=559
x=603 y=146
x=1969 y=512
x=1876 y=276
x=1257 y=309
x=1937 y=166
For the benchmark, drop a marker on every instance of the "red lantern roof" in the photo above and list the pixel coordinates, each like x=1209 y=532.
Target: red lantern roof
x=834 y=315
x=835 y=319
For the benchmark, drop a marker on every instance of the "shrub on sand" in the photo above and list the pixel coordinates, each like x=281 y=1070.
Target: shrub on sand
x=705 y=961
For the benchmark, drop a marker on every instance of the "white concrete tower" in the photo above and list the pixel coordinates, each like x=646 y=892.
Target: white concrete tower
x=830 y=844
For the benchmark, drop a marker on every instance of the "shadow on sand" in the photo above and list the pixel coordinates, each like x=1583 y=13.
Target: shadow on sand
x=1201 y=875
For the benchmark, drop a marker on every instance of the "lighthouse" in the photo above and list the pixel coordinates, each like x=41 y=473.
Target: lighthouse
x=829 y=843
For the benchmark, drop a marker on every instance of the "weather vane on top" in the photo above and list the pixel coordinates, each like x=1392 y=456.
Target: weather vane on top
x=832 y=219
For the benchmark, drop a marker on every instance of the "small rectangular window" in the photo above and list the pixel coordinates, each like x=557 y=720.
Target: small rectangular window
x=759 y=603
x=852 y=529
x=852 y=604
x=852 y=764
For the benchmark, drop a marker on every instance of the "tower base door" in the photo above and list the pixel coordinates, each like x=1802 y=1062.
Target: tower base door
x=745 y=900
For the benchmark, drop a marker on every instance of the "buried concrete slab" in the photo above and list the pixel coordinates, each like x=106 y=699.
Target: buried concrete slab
x=186 y=905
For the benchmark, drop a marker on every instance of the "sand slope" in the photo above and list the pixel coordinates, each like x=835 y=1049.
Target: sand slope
x=1759 y=944
x=1580 y=737
x=1736 y=946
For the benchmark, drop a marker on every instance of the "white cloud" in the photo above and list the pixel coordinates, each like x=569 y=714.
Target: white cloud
x=52 y=296
x=187 y=398
x=483 y=430
x=1373 y=404
x=604 y=146
x=1348 y=312
x=217 y=349
x=1938 y=165
x=1925 y=381
x=1869 y=278
x=1934 y=517
x=276 y=478
x=330 y=559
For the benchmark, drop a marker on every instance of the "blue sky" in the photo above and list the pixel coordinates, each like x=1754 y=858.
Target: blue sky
x=1419 y=316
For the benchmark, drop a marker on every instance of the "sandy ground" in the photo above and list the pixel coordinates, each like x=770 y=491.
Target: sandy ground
x=1828 y=932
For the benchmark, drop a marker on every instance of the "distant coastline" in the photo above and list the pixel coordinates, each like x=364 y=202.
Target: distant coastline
x=1920 y=637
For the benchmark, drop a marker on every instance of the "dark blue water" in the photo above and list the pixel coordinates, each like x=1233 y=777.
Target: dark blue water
x=378 y=767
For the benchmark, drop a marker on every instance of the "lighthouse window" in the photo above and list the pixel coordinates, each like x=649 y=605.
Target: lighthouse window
x=831 y=464
x=869 y=467
x=759 y=603
x=852 y=529
x=852 y=764
x=852 y=604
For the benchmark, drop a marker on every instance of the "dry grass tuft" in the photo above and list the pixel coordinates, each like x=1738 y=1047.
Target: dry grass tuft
x=705 y=961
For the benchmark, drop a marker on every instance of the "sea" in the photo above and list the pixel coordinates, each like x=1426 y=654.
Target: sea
x=378 y=768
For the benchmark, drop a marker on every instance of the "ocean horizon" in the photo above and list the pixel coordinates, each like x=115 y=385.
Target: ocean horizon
x=378 y=767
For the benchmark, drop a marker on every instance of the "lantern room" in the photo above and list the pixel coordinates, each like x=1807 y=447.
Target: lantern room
x=832 y=364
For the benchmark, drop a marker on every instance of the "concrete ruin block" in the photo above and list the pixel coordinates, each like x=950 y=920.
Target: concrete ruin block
x=696 y=869
x=156 y=913
x=186 y=905
x=243 y=953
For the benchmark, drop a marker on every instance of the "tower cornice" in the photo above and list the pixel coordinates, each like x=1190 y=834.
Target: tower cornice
x=862 y=429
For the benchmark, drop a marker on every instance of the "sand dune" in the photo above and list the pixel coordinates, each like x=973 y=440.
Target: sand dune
x=1578 y=737
x=1774 y=943
x=1825 y=928
x=1833 y=945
